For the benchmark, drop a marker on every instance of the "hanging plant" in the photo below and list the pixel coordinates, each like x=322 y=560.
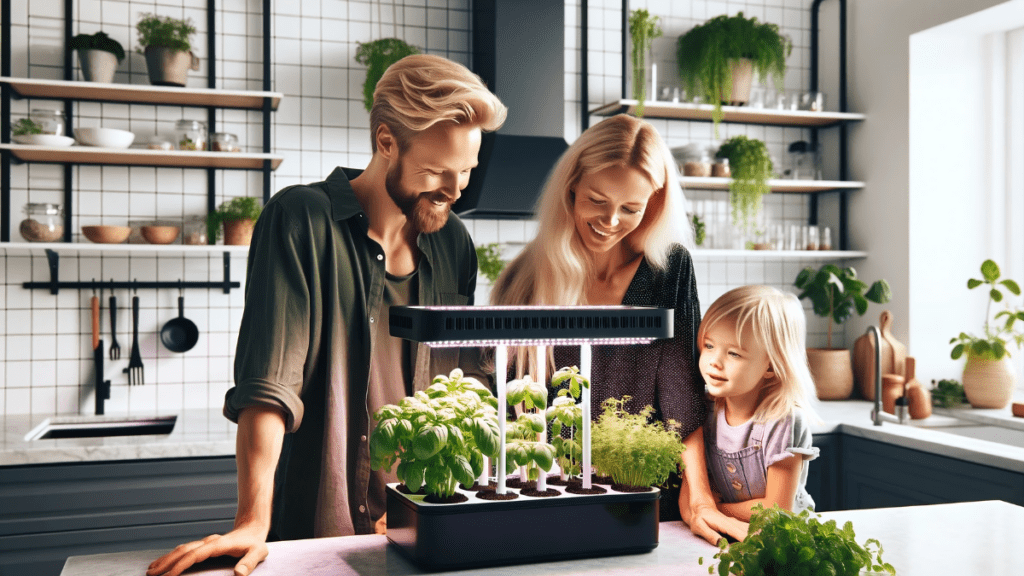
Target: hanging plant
x=377 y=55
x=751 y=168
x=643 y=29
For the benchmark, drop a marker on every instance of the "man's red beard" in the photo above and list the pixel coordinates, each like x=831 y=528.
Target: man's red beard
x=426 y=217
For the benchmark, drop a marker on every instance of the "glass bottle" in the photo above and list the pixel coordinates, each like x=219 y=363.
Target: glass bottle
x=190 y=135
x=44 y=222
x=51 y=121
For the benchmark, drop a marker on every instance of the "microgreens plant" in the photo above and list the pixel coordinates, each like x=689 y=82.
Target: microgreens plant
x=440 y=435
x=632 y=448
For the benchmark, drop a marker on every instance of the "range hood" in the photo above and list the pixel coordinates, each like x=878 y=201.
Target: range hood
x=519 y=52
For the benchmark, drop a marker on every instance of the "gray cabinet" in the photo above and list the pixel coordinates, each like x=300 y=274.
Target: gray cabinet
x=49 y=512
x=823 y=473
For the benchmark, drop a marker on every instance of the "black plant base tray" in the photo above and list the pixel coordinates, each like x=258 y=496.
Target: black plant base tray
x=478 y=532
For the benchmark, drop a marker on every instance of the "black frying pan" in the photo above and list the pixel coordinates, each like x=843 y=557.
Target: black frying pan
x=179 y=334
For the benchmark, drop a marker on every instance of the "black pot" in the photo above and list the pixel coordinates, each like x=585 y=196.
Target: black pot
x=179 y=334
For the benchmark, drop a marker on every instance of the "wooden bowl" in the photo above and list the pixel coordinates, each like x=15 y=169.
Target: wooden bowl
x=159 y=234
x=107 y=234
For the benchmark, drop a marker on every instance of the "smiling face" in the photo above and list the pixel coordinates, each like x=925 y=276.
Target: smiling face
x=430 y=174
x=729 y=369
x=609 y=205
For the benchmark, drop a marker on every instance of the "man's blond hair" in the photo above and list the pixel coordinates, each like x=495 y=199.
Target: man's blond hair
x=421 y=90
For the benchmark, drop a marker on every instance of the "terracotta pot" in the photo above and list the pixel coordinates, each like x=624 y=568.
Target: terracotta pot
x=892 y=388
x=742 y=77
x=238 y=232
x=97 y=65
x=989 y=383
x=832 y=372
x=168 y=67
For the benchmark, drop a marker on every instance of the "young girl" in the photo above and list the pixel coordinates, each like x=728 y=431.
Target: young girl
x=754 y=364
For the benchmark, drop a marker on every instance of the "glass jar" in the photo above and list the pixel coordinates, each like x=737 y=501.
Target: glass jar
x=51 y=121
x=190 y=135
x=43 y=222
x=224 y=142
x=195 y=231
x=804 y=161
x=720 y=169
x=697 y=161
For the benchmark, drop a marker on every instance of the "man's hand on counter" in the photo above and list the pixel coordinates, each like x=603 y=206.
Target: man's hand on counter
x=248 y=544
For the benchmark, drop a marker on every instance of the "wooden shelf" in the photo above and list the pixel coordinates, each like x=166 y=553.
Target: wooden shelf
x=87 y=248
x=140 y=157
x=701 y=254
x=732 y=114
x=790 y=186
x=140 y=94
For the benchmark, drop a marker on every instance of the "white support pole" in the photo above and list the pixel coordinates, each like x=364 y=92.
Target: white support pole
x=486 y=474
x=542 y=379
x=501 y=372
x=585 y=358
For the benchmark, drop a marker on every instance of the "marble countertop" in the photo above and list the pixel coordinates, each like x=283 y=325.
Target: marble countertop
x=207 y=433
x=196 y=433
x=968 y=538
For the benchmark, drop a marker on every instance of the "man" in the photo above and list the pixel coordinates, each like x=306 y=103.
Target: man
x=315 y=359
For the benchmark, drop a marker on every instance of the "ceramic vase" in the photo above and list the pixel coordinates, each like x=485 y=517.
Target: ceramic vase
x=742 y=77
x=238 y=232
x=832 y=372
x=97 y=65
x=169 y=67
x=989 y=383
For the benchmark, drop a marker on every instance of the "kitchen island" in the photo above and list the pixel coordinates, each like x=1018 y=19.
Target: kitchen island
x=956 y=539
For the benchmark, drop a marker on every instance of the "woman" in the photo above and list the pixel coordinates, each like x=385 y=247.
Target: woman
x=613 y=231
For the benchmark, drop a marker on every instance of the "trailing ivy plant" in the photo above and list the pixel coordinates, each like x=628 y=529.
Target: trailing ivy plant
x=564 y=412
x=165 y=31
x=992 y=345
x=699 y=231
x=522 y=449
x=97 y=41
x=781 y=542
x=751 y=168
x=489 y=261
x=377 y=55
x=706 y=52
x=643 y=29
x=632 y=448
x=438 y=436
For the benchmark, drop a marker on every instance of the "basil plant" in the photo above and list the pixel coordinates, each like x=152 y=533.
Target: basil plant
x=565 y=412
x=439 y=436
x=522 y=447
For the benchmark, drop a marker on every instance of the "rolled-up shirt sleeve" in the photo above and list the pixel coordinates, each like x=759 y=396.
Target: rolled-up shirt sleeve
x=274 y=336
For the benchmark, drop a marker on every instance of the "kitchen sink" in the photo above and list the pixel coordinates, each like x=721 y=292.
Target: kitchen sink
x=1008 y=436
x=79 y=427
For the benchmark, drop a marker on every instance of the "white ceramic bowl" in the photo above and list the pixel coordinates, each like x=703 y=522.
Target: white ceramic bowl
x=44 y=140
x=104 y=137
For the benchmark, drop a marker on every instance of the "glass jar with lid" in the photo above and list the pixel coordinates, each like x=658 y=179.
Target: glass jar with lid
x=44 y=222
x=190 y=134
x=224 y=142
x=50 y=121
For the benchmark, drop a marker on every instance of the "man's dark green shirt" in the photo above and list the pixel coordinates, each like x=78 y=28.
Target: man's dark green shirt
x=313 y=278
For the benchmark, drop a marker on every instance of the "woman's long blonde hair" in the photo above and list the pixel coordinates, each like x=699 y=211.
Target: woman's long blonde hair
x=777 y=322
x=555 y=268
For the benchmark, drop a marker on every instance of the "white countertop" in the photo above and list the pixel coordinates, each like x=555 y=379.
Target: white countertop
x=207 y=433
x=954 y=539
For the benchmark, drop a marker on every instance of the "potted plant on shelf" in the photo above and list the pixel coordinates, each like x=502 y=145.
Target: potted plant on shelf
x=989 y=375
x=781 y=542
x=634 y=450
x=377 y=55
x=643 y=29
x=98 y=55
x=237 y=217
x=751 y=167
x=168 y=48
x=717 y=59
x=836 y=293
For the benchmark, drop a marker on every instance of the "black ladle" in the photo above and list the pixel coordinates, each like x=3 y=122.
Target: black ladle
x=179 y=334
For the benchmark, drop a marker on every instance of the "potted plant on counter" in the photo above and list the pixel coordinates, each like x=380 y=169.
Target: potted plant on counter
x=166 y=42
x=636 y=451
x=377 y=55
x=717 y=59
x=836 y=293
x=237 y=217
x=98 y=55
x=989 y=375
x=751 y=167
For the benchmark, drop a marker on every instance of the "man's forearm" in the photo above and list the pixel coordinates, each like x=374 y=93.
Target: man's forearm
x=257 y=450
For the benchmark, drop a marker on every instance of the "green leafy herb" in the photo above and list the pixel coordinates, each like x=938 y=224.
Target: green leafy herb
x=377 y=55
x=783 y=543
x=439 y=435
x=564 y=412
x=241 y=208
x=948 y=394
x=522 y=447
x=97 y=41
x=699 y=232
x=165 y=31
x=993 y=345
x=633 y=449
x=836 y=293
x=705 y=54
x=751 y=168
x=489 y=260
x=26 y=126
x=643 y=29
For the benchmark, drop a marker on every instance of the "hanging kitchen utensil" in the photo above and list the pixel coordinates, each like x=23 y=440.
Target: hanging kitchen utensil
x=115 y=348
x=136 y=376
x=179 y=334
x=102 y=386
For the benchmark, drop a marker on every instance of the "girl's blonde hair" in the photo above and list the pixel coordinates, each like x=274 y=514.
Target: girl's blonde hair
x=421 y=90
x=555 y=267
x=777 y=322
